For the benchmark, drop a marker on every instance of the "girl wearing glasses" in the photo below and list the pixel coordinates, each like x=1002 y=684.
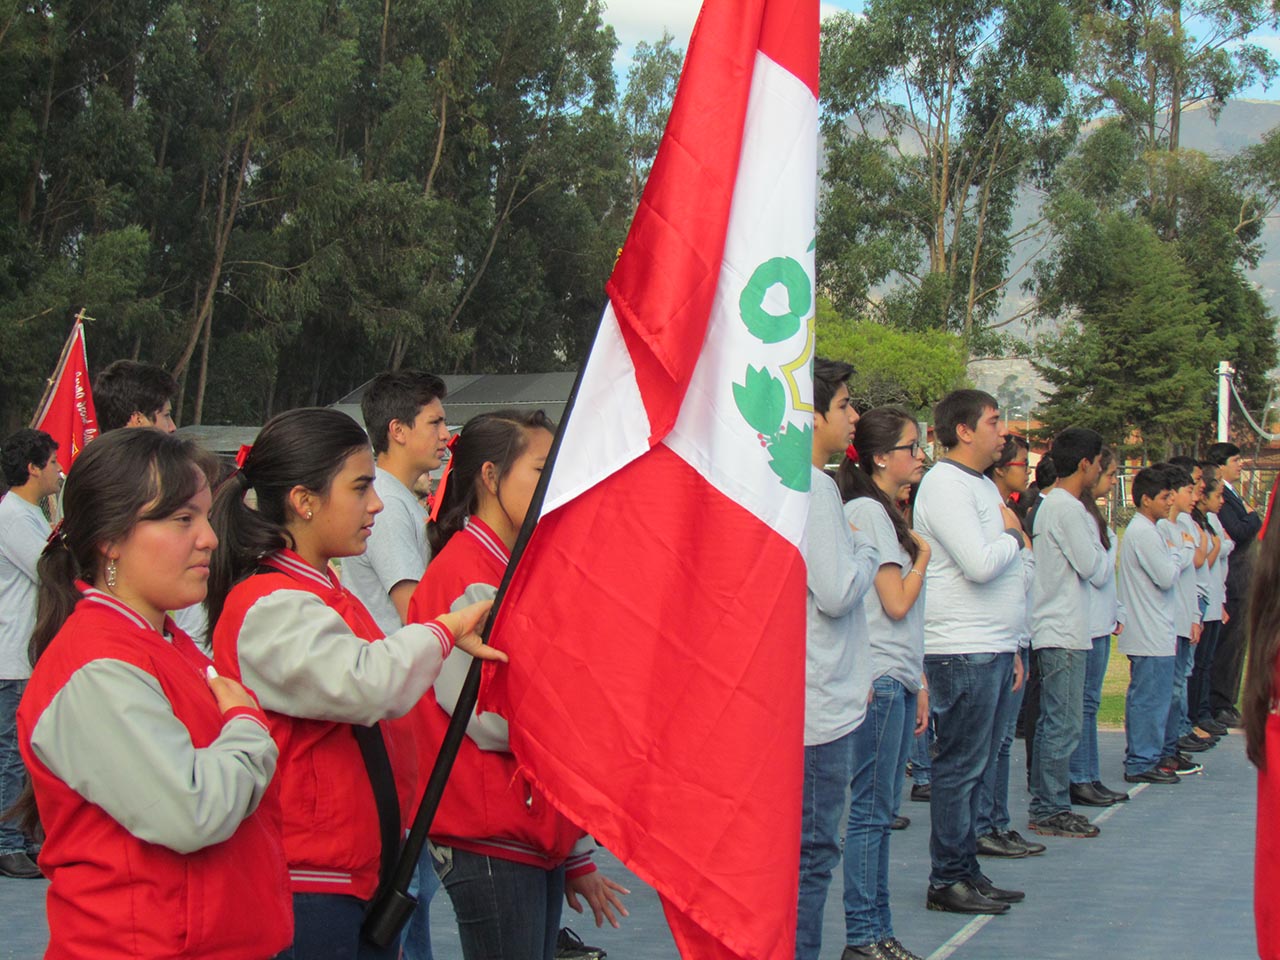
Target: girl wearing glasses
x=885 y=459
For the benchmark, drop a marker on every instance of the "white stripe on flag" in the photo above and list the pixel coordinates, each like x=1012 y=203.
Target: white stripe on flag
x=608 y=427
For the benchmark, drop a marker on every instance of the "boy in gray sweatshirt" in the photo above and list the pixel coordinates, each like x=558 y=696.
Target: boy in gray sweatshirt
x=1149 y=568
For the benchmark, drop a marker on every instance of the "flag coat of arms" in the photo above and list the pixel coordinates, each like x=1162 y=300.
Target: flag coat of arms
x=656 y=620
x=67 y=414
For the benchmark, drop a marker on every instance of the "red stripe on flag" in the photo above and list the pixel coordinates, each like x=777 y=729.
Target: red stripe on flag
x=656 y=695
x=665 y=281
x=788 y=39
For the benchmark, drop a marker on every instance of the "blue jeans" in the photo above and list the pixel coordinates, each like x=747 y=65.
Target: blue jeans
x=415 y=939
x=13 y=775
x=993 y=792
x=1146 y=711
x=1177 y=724
x=966 y=693
x=921 y=761
x=1084 y=762
x=880 y=748
x=505 y=910
x=827 y=767
x=1199 y=685
x=326 y=926
x=1058 y=730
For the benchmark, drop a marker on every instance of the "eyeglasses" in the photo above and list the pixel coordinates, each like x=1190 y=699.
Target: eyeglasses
x=1016 y=463
x=913 y=446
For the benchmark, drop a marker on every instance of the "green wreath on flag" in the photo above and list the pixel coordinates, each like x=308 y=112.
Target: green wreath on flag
x=762 y=398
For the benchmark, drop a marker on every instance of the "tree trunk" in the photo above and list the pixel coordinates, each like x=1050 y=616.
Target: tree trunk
x=203 y=379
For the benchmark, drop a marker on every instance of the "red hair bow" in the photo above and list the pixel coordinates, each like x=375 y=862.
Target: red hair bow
x=243 y=454
x=852 y=453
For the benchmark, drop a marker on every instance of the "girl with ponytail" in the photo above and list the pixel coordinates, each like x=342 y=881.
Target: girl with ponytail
x=283 y=624
x=146 y=769
x=505 y=856
x=886 y=459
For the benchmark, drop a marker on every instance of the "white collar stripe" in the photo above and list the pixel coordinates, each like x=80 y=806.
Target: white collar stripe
x=298 y=568
x=489 y=542
x=119 y=606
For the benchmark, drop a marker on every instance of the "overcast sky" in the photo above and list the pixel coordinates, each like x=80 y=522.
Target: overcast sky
x=636 y=20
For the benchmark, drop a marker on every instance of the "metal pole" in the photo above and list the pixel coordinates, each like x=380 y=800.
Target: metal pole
x=1224 y=400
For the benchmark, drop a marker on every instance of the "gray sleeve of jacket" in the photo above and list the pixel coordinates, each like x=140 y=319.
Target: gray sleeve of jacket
x=487 y=730
x=842 y=565
x=300 y=658
x=1160 y=559
x=110 y=734
x=1077 y=536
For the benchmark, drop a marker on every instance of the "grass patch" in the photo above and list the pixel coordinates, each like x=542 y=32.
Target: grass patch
x=1114 y=684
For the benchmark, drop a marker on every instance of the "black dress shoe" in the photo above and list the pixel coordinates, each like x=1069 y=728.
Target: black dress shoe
x=994 y=844
x=1033 y=847
x=18 y=866
x=921 y=792
x=962 y=897
x=1085 y=794
x=900 y=823
x=1154 y=775
x=989 y=890
x=1229 y=717
x=870 y=951
x=1115 y=795
x=1193 y=744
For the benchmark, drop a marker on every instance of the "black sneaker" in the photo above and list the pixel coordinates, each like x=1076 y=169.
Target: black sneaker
x=891 y=947
x=995 y=844
x=1182 y=766
x=569 y=946
x=1064 y=823
x=1034 y=848
x=1155 y=775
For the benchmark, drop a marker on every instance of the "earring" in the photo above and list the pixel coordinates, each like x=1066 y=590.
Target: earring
x=880 y=464
x=111 y=573
x=308 y=514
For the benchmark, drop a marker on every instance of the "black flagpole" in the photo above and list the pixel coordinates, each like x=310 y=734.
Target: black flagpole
x=390 y=908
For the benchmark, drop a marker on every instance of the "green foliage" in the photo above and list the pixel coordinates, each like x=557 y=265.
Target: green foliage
x=933 y=117
x=891 y=365
x=1135 y=362
x=277 y=201
x=645 y=106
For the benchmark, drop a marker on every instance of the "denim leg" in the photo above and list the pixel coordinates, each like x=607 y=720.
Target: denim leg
x=1177 y=725
x=1146 y=711
x=964 y=691
x=415 y=939
x=326 y=926
x=876 y=784
x=1084 y=762
x=993 y=791
x=13 y=775
x=505 y=910
x=827 y=767
x=1202 y=673
x=921 y=760
x=1058 y=730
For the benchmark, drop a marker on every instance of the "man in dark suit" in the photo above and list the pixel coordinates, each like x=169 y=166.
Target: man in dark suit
x=1242 y=524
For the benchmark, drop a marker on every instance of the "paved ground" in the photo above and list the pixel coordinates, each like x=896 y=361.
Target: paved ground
x=1170 y=878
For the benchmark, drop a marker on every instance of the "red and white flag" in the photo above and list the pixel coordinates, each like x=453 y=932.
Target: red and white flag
x=656 y=620
x=67 y=414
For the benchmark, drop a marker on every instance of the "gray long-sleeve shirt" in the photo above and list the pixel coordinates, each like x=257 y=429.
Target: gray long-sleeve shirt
x=1069 y=559
x=1149 y=568
x=841 y=568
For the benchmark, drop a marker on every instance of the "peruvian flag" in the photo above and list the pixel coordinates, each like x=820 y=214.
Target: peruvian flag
x=656 y=620
x=67 y=413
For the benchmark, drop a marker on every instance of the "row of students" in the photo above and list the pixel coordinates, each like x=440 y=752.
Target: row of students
x=205 y=784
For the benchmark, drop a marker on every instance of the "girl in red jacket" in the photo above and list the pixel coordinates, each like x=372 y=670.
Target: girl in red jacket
x=147 y=770
x=313 y=655
x=506 y=857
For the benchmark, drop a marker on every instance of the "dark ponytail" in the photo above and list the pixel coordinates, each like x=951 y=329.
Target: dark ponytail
x=877 y=433
x=119 y=479
x=305 y=447
x=1091 y=502
x=498 y=438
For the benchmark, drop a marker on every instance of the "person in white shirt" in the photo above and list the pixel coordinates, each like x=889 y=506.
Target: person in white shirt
x=32 y=473
x=975 y=607
x=1215 y=616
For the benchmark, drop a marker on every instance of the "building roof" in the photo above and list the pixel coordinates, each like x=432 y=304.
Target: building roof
x=472 y=394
